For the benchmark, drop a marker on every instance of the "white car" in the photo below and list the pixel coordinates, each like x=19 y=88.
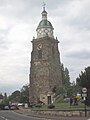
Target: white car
x=6 y=108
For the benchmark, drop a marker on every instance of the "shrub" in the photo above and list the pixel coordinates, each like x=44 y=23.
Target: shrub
x=51 y=106
x=38 y=105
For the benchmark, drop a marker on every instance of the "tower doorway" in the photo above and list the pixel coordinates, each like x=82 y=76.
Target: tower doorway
x=49 y=99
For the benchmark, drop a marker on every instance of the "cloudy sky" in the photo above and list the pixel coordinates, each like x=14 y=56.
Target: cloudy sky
x=18 y=22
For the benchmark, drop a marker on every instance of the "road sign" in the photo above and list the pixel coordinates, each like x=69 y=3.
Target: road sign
x=84 y=95
x=84 y=90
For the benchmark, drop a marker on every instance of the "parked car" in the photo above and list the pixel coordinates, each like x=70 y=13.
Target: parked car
x=6 y=108
x=14 y=107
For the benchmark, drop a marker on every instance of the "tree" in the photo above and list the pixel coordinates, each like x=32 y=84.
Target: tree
x=84 y=81
x=66 y=81
x=1 y=98
x=15 y=96
x=21 y=96
x=5 y=99
x=64 y=90
x=25 y=94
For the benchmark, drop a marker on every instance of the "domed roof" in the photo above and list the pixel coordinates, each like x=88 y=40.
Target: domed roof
x=45 y=23
x=45 y=27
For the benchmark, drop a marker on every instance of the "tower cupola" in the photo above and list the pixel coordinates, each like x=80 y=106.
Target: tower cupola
x=44 y=14
x=45 y=27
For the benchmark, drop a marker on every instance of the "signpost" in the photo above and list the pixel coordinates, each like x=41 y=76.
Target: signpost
x=84 y=95
x=84 y=90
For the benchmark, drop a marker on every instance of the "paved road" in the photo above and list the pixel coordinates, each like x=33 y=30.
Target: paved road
x=10 y=115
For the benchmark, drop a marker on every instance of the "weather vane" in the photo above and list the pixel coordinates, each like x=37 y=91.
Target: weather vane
x=44 y=6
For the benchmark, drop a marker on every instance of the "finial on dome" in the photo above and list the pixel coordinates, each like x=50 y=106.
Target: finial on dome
x=44 y=6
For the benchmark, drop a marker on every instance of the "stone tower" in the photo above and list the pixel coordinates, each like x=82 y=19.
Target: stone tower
x=45 y=69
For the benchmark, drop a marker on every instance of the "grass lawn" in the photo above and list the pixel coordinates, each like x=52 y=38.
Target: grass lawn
x=66 y=105
x=63 y=106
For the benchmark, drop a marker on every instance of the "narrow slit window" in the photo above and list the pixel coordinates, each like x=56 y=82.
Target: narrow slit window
x=40 y=54
x=53 y=52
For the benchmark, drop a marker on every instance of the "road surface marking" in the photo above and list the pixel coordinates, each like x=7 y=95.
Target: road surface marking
x=3 y=118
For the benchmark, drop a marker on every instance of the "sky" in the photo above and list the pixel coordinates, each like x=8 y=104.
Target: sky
x=18 y=22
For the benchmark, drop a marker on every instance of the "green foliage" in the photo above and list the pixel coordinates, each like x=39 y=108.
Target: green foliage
x=65 y=82
x=84 y=78
x=67 y=89
x=25 y=94
x=20 y=96
x=1 y=96
x=15 y=96
x=51 y=106
x=84 y=81
x=60 y=90
x=5 y=99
